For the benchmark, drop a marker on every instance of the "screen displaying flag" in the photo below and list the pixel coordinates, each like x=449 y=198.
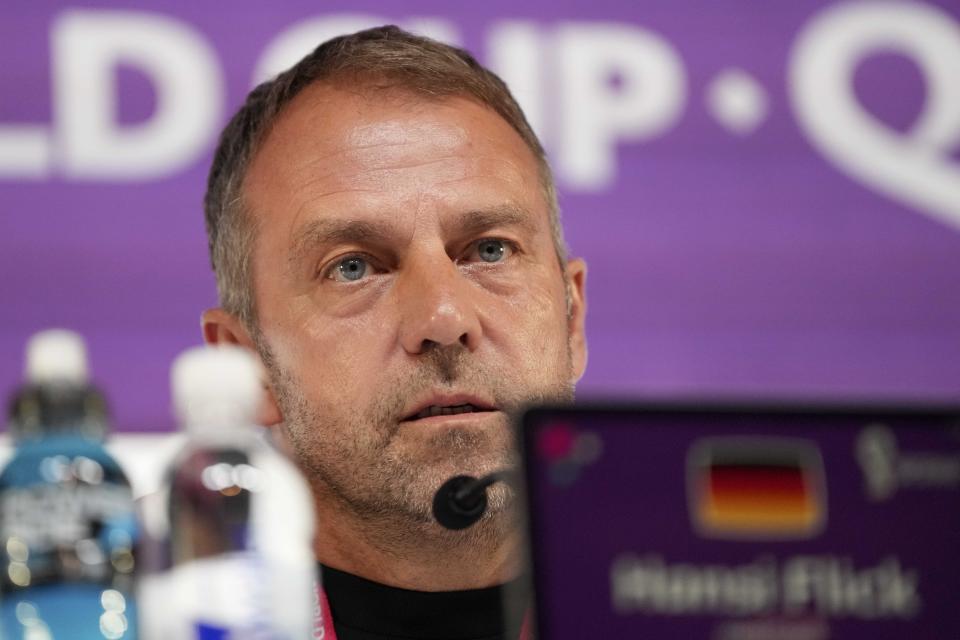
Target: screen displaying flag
x=756 y=488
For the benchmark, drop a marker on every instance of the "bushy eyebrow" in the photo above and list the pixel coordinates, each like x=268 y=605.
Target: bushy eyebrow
x=474 y=223
x=326 y=232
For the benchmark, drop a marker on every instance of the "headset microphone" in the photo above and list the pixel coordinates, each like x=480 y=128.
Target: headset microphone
x=462 y=500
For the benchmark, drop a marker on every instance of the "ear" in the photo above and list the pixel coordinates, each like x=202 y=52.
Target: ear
x=221 y=327
x=577 y=313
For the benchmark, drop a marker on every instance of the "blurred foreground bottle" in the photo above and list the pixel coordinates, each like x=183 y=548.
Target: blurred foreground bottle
x=67 y=520
x=230 y=554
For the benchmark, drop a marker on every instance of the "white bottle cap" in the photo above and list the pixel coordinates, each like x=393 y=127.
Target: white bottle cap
x=56 y=356
x=215 y=387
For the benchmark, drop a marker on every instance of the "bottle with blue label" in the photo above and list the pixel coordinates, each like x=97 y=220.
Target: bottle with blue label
x=68 y=528
x=231 y=555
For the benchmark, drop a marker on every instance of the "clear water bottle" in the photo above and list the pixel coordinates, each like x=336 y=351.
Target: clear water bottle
x=232 y=530
x=67 y=521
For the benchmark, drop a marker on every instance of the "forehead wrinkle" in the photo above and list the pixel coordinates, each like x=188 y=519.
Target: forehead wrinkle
x=394 y=166
x=373 y=184
x=368 y=172
x=509 y=177
x=311 y=200
x=403 y=131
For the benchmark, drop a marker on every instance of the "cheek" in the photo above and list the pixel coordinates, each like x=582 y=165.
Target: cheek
x=533 y=321
x=334 y=360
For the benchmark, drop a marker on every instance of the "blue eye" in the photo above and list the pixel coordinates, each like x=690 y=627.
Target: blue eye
x=350 y=270
x=492 y=250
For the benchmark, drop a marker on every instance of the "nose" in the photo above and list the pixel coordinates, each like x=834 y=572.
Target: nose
x=438 y=306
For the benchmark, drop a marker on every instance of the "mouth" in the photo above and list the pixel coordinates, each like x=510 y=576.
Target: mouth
x=438 y=407
x=437 y=410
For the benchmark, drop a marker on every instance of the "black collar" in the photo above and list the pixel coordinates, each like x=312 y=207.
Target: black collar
x=366 y=610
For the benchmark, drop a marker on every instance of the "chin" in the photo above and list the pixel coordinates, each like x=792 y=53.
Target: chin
x=470 y=455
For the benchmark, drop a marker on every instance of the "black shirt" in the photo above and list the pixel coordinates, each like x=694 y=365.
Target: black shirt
x=366 y=610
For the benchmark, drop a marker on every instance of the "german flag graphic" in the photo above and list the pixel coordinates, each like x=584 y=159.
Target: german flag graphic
x=756 y=488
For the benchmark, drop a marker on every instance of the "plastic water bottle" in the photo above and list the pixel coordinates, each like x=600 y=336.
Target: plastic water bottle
x=67 y=520
x=232 y=555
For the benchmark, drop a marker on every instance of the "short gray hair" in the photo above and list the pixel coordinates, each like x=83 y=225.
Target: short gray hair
x=384 y=57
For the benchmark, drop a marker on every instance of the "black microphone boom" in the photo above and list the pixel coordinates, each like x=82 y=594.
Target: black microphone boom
x=462 y=500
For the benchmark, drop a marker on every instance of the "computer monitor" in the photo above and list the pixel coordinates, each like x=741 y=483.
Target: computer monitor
x=753 y=522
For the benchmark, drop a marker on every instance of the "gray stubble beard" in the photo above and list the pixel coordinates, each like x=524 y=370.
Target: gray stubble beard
x=392 y=497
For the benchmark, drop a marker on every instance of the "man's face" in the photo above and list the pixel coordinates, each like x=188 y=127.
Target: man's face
x=408 y=292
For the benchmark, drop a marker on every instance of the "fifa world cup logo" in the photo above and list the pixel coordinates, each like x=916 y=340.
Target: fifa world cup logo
x=877 y=454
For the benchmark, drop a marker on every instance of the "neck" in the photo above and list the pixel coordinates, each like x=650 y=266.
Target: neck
x=413 y=555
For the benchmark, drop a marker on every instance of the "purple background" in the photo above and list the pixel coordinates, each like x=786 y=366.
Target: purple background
x=644 y=462
x=719 y=264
